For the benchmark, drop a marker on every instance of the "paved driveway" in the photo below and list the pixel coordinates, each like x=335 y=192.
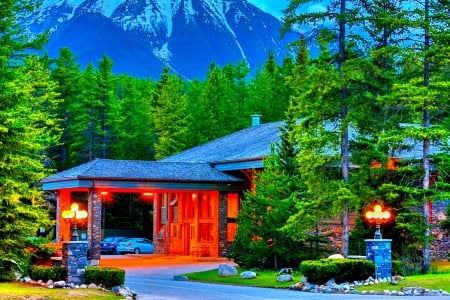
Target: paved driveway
x=151 y=276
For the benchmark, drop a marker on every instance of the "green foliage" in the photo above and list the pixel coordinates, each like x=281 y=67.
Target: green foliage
x=397 y=268
x=106 y=276
x=342 y=270
x=28 y=127
x=260 y=240
x=45 y=273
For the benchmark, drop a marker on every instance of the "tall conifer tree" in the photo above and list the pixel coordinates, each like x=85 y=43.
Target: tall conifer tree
x=27 y=129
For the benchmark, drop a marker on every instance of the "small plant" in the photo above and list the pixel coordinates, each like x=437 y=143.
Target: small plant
x=105 y=276
x=342 y=270
x=45 y=273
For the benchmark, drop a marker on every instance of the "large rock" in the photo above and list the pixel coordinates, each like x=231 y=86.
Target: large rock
x=336 y=256
x=227 y=270
x=248 y=275
x=285 y=278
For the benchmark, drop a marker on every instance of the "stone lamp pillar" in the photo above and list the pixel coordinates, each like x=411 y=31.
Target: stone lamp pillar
x=75 y=260
x=378 y=250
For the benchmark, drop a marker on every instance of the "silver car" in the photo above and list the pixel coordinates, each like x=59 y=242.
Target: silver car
x=135 y=245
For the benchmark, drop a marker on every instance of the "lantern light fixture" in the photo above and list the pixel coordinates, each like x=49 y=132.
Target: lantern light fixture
x=378 y=216
x=73 y=216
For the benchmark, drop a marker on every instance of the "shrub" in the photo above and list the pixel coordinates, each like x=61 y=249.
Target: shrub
x=397 y=268
x=105 y=276
x=45 y=273
x=342 y=270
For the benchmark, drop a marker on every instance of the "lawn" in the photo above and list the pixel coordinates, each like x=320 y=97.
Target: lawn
x=439 y=278
x=18 y=290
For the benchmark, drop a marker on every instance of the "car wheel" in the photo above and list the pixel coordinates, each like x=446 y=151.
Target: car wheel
x=137 y=251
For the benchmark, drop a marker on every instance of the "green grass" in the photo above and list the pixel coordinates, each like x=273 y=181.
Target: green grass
x=17 y=290
x=264 y=278
x=439 y=278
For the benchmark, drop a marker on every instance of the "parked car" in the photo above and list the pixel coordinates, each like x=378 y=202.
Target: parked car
x=135 y=245
x=109 y=244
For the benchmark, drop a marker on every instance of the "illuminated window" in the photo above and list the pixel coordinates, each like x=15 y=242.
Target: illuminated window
x=164 y=202
x=205 y=232
x=205 y=206
x=231 y=231
x=174 y=206
x=232 y=205
x=189 y=206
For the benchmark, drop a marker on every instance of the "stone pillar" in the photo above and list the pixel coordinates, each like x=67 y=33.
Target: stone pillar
x=74 y=259
x=94 y=227
x=223 y=244
x=379 y=251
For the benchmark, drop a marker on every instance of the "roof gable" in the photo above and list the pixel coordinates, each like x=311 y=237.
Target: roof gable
x=247 y=144
x=143 y=170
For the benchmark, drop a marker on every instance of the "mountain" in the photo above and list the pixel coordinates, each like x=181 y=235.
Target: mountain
x=142 y=36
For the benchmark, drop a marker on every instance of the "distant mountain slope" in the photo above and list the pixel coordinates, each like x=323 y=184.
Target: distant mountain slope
x=141 y=36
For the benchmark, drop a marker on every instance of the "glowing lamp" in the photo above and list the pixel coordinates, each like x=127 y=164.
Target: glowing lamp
x=377 y=216
x=72 y=216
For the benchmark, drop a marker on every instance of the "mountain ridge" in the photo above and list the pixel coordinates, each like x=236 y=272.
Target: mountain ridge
x=142 y=36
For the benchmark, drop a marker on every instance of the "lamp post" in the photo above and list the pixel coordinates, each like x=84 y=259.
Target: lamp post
x=73 y=216
x=378 y=216
x=378 y=250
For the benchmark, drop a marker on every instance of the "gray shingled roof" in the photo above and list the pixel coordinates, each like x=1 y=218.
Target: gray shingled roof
x=144 y=170
x=247 y=144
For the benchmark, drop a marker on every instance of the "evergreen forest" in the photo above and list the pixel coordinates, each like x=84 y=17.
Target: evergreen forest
x=379 y=84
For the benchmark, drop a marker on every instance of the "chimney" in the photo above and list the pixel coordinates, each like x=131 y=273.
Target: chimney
x=255 y=120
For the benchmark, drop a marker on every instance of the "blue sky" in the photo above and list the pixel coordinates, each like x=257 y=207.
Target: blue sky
x=271 y=6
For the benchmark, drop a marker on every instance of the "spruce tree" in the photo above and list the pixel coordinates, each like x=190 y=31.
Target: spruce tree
x=27 y=129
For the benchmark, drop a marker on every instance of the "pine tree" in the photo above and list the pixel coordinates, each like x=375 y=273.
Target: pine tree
x=27 y=129
x=170 y=118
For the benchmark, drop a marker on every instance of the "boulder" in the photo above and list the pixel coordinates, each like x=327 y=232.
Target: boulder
x=336 y=256
x=285 y=278
x=227 y=270
x=248 y=275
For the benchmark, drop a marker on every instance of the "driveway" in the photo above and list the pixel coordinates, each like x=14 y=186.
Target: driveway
x=152 y=277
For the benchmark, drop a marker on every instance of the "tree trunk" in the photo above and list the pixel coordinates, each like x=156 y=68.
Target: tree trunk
x=426 y=142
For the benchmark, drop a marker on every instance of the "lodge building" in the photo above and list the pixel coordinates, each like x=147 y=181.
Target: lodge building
x=195 y=194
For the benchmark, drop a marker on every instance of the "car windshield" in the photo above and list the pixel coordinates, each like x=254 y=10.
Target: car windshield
x=108 y=239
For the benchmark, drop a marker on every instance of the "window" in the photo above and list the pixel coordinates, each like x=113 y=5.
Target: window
x=189 y=206
x=205 y=206
x=231 y=231
x=163 y=203
x=232 y=205
x=174 y=205
x=205 y=232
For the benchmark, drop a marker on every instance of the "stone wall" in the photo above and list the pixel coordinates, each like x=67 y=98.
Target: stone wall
x=440 y=244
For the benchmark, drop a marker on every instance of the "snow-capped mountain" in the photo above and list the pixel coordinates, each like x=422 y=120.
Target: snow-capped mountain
x=142 y=36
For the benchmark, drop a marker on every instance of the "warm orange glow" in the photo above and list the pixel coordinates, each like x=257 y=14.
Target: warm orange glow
x=81 y=214
x=74 y=212
x=68 y=214
x=147 y=194
x=103 y=193
x=74 y=207
x=377 y=215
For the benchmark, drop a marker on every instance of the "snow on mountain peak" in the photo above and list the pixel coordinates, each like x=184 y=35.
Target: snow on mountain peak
x=71 y=3
x=143 y=35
